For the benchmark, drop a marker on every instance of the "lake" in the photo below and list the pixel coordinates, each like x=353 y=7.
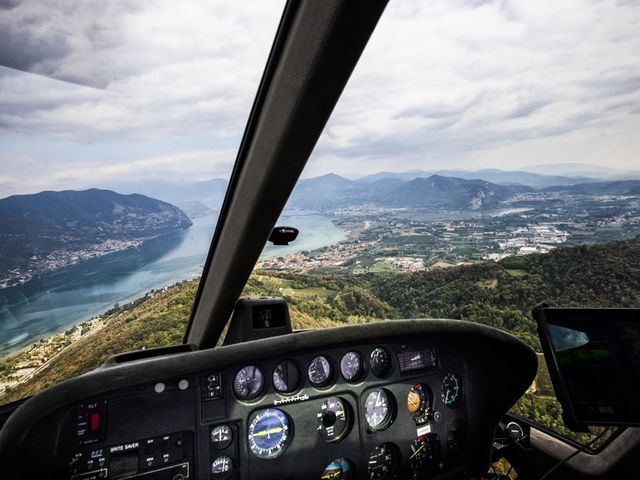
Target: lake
x=55 y=301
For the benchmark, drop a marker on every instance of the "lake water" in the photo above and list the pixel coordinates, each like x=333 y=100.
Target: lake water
x=56 y=301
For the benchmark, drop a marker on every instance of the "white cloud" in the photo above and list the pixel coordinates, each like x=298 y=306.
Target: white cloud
x=442 y=84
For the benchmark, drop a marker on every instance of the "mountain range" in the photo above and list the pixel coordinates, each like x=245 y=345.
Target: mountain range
x=433 y=192
x=48 y=230
x=501 y=177
x=196 y=196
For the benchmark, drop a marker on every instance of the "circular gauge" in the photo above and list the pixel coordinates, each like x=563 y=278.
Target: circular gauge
x=423 y=452
x=248 y=382
x=352 y=366
x=379 y=409
x=269 y=433
x=383 y=462
x=221 y=437
x=451 y=391
x=221 y=468
x=334 y=419
x=380 y=360
x=320 y=371
x=286 y=377
x=418 y=403
x=339 y=469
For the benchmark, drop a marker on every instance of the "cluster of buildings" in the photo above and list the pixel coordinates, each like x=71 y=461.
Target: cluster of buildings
x=540 y=238
x=31 y=360
x=37 y=265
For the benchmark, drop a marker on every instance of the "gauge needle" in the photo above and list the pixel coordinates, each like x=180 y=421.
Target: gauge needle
x=417 y=451
x=269 y=432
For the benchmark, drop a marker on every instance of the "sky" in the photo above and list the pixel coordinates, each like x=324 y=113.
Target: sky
x=144 y=91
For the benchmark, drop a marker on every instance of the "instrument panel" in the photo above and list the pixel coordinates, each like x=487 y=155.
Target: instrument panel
x=377 y=408
x=377 y=411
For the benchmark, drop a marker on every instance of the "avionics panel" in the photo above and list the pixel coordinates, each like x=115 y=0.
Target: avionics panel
x=308 y=405
x=594 y=360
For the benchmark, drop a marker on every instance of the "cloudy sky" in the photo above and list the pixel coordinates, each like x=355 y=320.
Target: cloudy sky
x=147 y=90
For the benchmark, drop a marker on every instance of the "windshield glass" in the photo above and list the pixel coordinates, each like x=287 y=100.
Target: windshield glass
x=119 y=126
x=482 y=159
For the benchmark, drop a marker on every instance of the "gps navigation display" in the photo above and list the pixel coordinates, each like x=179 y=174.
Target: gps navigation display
x=594 y=360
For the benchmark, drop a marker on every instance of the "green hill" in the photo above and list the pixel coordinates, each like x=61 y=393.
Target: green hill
x=498 y=294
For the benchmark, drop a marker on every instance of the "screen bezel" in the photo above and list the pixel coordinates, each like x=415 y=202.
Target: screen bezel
x=543 y=316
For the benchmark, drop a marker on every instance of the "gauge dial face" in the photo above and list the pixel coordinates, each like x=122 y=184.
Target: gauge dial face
x=248 y=382
x=352 y=366
x=270 y=433
x=422 y=453
x=221 y=437
x=451 y=391
x=334 y=419
x=222 y=467
x=320 y=371
x=339 y=469
x=286 y=377
x=380 y=360
x=418 y=403
x=379 y=409
x=383 y=462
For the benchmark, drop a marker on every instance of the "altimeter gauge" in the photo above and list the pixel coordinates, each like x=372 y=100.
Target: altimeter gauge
x=379 y=409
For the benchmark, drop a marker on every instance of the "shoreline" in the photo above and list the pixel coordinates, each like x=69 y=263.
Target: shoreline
x=9 y=351
x=99 y=255
x=44 y=349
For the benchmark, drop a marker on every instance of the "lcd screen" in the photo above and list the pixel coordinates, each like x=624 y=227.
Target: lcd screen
x=596 y=357
x=418 y=360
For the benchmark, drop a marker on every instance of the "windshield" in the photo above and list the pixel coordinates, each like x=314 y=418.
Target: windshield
x=482 y=159
x=119 y=127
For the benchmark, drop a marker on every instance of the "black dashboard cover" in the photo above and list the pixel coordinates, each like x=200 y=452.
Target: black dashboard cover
x=507 y=367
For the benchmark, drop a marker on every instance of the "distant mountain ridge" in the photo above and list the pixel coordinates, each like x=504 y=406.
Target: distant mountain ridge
x=49 y=230
x=500 y=177
x=211 y=192
x=331 y=191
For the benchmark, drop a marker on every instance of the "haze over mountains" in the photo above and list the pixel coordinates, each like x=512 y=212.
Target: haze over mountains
x=210 y=193
x=49 y=230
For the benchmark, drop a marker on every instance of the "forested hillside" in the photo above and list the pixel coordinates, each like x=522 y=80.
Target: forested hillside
x=498 y=294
